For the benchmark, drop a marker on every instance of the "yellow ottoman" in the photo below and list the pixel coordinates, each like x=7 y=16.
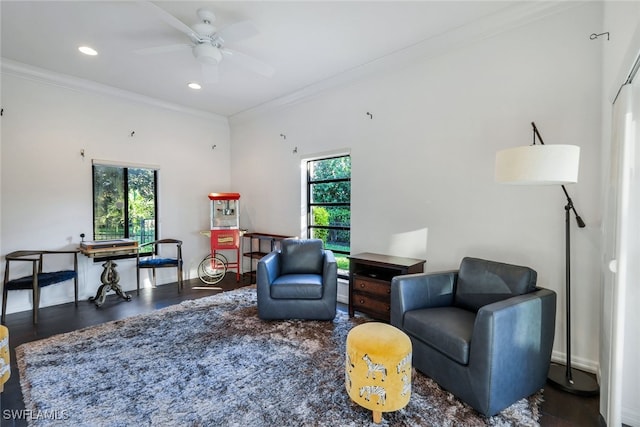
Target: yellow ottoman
x=378 y=368
x=5 y=368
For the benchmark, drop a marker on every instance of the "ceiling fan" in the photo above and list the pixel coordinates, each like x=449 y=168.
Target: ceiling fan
x=208 y=43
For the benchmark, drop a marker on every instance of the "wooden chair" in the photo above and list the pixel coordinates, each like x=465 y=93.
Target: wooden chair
x=154 y=260
x=38 y=277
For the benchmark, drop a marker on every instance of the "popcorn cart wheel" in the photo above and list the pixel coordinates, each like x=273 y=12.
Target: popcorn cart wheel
x=212 y=268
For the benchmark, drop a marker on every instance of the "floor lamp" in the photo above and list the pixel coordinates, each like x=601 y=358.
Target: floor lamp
x=551 y=165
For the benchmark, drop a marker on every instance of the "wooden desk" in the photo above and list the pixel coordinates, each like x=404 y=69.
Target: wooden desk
x=370 y=282
x=108 y=250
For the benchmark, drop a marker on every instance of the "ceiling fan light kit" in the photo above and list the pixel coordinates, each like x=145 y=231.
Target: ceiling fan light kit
x=207 y=54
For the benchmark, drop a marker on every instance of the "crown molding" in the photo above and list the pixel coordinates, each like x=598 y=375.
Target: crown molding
x=519 y=14
x=52 y=78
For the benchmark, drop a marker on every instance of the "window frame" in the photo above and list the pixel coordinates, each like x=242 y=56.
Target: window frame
x=126 y=167
x=309 y=204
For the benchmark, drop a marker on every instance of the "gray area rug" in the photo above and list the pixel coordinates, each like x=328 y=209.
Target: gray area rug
x=212 y=362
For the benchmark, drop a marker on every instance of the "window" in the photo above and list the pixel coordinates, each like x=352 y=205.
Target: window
x=329 y=206
x=124 y=203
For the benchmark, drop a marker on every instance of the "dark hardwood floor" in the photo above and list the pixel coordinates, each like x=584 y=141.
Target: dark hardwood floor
x=559 y=408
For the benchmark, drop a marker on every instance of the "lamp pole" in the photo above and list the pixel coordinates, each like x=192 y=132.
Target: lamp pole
x=566 y=378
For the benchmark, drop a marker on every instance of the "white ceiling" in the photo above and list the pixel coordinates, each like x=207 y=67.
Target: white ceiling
x=308 y=43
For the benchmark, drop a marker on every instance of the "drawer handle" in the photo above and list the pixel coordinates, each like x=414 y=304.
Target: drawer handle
x=362 y=285
x=361 y=301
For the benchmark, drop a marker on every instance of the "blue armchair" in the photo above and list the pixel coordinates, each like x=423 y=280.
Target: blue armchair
x=298 y=281
x=484 y=333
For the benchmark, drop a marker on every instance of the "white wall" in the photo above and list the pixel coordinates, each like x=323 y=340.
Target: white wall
x=423 y=166
x=46 y=184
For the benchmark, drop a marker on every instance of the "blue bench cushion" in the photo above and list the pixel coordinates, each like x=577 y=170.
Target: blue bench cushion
x=446 y=329
x=44 y=279
x=297 y=286
x=158 y=262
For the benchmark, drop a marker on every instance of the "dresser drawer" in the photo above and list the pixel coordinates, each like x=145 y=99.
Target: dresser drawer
x=370 y=305
x=370 y=282
x=372 y=286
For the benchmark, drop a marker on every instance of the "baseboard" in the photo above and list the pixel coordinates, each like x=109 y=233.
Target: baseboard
x=630 y=416
x=576 y=362
x=343 y=291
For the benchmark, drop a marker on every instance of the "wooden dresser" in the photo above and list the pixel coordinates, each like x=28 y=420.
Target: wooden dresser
x=370 y=282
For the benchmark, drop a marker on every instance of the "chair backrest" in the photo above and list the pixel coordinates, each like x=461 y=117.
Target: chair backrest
x=301 y=256
x=481 y=282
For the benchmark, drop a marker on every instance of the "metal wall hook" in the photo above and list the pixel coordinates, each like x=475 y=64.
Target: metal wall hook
x=283 y=136
x=370 y=115
x=595 y=36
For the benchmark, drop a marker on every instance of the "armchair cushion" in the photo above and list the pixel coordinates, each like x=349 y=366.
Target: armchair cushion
x=481 y=282
x=297 y=286
x=301 y=256
x=447 y=329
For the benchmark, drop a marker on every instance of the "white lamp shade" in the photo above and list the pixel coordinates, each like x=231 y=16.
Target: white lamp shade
x=538 y=165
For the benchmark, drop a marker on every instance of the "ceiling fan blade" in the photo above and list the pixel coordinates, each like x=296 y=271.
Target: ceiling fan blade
x=163 y=49
x=209 y=73
x=238 y=31
x=250 y=62
x=169 y=19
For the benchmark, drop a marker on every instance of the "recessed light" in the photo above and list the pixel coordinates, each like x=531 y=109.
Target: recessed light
x=193 y=85
x=87 y=50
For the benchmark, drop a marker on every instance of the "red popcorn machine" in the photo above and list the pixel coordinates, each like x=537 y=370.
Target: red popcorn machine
x=225 y=236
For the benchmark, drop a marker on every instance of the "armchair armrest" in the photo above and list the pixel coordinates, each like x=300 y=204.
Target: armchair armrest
x=329 y=275
x=268 y=268
x=267 y=271
x=420 y=290
x=329 y=268
x=512 y=343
